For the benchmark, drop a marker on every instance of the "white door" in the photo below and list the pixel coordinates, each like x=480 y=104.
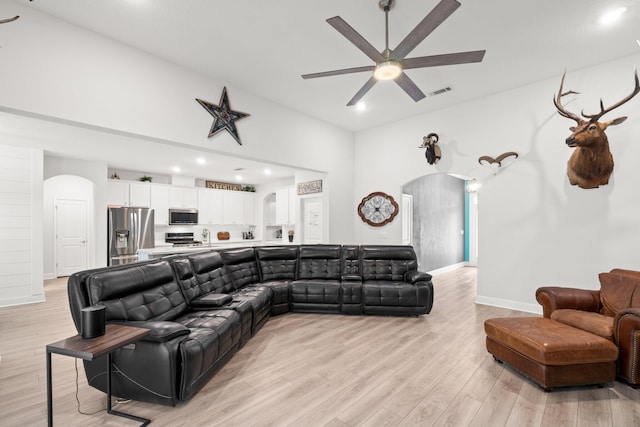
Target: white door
x=407 y=219
x=312 y=221
x=71 y=236
x=473 y=229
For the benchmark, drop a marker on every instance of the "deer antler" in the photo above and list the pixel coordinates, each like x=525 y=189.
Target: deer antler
x=558 y=102
x=603 y=111
x=4 y=21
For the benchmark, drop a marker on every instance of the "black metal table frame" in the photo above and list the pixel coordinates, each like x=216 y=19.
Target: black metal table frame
x=52 y=349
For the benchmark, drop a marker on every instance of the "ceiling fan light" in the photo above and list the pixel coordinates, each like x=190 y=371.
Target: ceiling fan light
x=387 y=70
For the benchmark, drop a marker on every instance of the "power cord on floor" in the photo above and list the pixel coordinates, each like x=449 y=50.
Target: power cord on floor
x=78 y=400
x=118 y=399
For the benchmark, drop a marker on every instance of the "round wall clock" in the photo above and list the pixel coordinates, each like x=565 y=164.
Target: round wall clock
x=377 y=209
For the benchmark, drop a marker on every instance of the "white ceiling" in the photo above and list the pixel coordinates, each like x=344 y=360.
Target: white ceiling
x=264 y=47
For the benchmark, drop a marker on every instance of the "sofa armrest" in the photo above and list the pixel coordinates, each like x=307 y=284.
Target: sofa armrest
x=553 y=298
x=626 y=333
x=414 y=276
x=161 y=331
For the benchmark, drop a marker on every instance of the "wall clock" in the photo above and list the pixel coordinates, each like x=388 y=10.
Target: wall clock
x=377 y=209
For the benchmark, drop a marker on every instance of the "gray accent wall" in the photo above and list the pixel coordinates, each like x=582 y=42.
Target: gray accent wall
x=438 y=219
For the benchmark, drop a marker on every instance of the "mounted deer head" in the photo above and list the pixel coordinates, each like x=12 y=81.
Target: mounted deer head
x=591 y=164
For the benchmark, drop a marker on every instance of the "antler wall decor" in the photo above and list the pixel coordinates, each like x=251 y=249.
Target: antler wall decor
x=5 y=21
x=498 y=160
x=433 y=153
x=591 y=163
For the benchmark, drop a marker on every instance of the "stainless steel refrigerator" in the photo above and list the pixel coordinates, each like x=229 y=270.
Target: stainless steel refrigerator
x=130 y=229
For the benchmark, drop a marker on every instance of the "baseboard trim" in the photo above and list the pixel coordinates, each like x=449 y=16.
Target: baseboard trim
x=21 y=301
x=512 y=305
x=448 y=268
x=48 y=276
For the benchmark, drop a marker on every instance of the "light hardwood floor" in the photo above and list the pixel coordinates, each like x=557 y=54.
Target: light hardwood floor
x=320 y=370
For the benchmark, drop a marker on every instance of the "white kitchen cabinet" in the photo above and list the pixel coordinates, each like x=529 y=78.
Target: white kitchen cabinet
x=233 y=207
x=122 y=193
x=183 y=197
x=140 y=195
x=117 y=193
x=160 y=203
x=210 y=204
x=249 y=209
x=285 y=206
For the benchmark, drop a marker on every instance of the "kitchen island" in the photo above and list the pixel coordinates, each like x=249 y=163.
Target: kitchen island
x=165 y=250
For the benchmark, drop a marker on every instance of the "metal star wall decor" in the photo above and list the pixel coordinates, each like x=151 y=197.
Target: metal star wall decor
x=224 y=116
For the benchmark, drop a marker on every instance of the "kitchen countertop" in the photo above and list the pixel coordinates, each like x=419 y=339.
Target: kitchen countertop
x=165 y=249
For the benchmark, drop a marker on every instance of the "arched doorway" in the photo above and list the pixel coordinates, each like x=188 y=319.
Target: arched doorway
x=443 y=215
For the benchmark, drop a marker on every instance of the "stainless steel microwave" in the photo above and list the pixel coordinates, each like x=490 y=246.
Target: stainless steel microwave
x=183 y=216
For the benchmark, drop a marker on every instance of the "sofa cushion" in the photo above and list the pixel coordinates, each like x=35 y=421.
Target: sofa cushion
x=618 y=291
x=141 y=292
x=387 y=293
x=240 y=266
x=389 y=263
x=208 y=270
x=260 y=298
x=315 y=291
x=277 y=262
x=319 y=262
x=596 y=323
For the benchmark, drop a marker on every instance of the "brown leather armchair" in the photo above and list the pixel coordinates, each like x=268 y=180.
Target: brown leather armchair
x=612 y=312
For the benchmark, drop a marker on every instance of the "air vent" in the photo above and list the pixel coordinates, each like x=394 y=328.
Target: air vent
x=238 y=169
x=441 y=91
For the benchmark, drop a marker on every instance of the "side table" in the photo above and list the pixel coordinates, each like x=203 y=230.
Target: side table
x=115 y=337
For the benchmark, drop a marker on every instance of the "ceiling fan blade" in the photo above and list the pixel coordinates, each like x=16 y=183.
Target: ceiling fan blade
x=410 y=87
x=354 y=37
x=430 y=22
x=362 y=92
x=339 y=72
x=446 y=59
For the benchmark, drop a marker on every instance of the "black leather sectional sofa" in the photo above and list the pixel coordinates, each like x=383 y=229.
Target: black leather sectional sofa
x=203 y=307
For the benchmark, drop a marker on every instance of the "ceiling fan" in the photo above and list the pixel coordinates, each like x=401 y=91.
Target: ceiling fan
x=390 y=64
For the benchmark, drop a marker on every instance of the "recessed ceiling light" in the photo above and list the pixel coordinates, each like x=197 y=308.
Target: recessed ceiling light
x=176 y=169
x=238 y=177
x=361 y=106
x=201 y=160
x=267 y=171
x=612 y=16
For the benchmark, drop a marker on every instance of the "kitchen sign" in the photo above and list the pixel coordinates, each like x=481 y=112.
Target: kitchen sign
x=309 y=187
x=223 y=185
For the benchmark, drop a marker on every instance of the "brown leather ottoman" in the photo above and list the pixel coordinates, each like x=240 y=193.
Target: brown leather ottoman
x=551 y=353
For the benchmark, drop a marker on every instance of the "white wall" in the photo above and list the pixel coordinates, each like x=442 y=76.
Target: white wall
x=534 y=228
x=77 y=76
x=77 y=94
x=20 y=226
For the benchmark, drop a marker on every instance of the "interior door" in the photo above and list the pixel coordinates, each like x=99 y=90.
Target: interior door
x=71 y=236
x=407 y=219
x=312 y=221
